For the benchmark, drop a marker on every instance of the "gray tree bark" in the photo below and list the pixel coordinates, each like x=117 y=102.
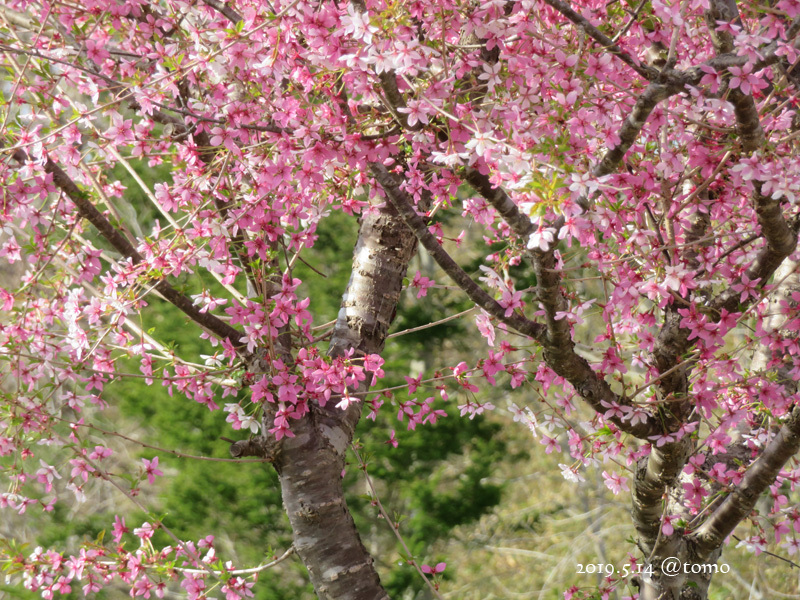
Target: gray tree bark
x=310 y=465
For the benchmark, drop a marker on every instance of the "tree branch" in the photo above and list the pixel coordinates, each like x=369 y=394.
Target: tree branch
x=388 y=79
x=500 y=200
x=658 y=471
x=207 y=153
x=655 y=473
x=222 y=8
x=403 y=206
x=747 y=119
x=89 y=212
x=781 y=239
x=395 y=99
x=673 y=340
x=649 y=73
x=761 y=472
x=738 y=504
x=559 y=347
x=781 y=242
x=180 y=130
x=633 y=124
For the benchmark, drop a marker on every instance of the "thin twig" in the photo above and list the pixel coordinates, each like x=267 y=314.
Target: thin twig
x=395 y=528
x=429 y=325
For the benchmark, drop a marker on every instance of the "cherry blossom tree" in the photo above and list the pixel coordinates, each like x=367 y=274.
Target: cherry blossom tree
x=636 y=160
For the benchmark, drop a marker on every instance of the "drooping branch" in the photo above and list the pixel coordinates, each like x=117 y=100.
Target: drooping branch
x=179 y=130
x=559 y=347
x=402 y=204
x=207 y=154
x=113 y=236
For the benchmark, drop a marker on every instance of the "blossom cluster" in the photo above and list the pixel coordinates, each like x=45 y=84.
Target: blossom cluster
x=147 y=572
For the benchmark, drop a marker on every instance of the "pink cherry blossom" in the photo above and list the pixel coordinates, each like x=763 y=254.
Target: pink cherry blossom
x=151 y=469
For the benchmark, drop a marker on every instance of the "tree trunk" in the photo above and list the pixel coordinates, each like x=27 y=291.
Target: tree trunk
x=689 y=582
x=310 y=465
